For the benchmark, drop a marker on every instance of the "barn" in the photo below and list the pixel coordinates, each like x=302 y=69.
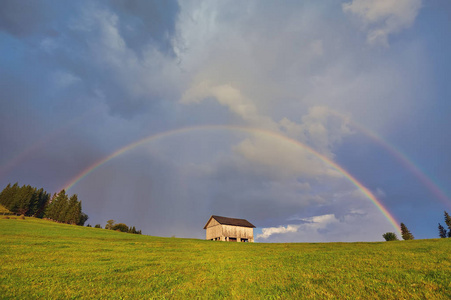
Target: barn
x=229 y=229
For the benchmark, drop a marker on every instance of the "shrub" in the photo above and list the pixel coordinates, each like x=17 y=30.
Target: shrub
x=390 y=236
x=120 y=227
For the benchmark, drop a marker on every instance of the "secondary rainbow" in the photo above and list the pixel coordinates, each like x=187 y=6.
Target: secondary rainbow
x=402 y=158
x=255 y=131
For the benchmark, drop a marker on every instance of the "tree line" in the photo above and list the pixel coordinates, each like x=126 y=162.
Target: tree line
x=111 y=225
x=30 y=201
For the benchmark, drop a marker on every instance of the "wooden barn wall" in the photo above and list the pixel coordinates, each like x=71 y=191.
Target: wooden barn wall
x=238 y=232
x=214 y=231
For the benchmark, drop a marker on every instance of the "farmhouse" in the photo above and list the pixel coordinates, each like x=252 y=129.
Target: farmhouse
x=229 y=229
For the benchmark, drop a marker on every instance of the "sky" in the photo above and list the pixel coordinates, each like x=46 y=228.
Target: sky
x=317 y=121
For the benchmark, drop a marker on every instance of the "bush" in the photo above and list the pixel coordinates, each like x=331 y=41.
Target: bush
x=120 y=227
x=98 y=226
x=390 y=236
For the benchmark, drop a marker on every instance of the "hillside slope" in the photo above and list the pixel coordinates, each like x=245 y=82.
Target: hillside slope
x=42 y=259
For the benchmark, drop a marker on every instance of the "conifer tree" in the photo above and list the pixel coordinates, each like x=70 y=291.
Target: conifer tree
x=8 y=196
x=405 y=233
x=73 y=211
x=83 y=217
x=50 y=211
x=448 y=220
x=441 y=231
x=4 y=195
x=43 y=199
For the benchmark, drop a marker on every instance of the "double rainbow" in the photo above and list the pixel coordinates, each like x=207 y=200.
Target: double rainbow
x=254 y=131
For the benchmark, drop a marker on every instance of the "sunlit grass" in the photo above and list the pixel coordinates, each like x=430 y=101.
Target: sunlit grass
x=4 y=210
x=42 y=259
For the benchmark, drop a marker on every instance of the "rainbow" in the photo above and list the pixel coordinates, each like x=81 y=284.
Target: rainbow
x=42 y=141
x=256 y=131
x=402 y=158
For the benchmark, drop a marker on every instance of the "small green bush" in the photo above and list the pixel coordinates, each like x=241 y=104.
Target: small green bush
x=390 y=236
x=120 y=227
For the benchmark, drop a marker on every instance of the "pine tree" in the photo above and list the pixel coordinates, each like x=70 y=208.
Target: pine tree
x=448 y=220
x=43 y=199
x=4 y=194
x=50 y=211
x=405 y=233
x=8 y=196
x=441 y=231
x=83 y=218
x=73 y=210
x=58 y=207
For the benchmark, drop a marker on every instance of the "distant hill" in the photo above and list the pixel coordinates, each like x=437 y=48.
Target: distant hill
x=43 y=259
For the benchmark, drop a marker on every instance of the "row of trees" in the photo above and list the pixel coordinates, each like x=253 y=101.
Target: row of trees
x=443 y=233
x=121 y=227
x=25 y=200
x=118 y=227
x=33 y=202
x=63 y=209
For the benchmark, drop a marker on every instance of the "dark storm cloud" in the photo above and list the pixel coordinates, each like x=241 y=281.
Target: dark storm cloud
x=144 y=22
x=83 y=39
x=22 y=18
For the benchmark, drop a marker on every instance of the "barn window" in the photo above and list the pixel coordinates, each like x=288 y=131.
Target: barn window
x=231 y=239
x=244 y=240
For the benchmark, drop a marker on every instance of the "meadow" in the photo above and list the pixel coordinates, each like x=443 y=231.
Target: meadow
x=43 y=259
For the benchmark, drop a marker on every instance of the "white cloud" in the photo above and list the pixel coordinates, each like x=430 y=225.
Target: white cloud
x=311 y=224
x=383 y=17
x=229 y=96
x=267 y=232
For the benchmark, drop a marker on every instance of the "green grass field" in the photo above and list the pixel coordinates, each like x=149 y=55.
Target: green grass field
x=42 y=259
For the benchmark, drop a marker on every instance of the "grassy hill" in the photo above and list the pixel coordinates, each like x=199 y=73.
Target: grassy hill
x=42 y=259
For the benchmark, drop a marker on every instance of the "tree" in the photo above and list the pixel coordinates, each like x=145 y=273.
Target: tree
x=98 y=226
x=109 y=224
x=83 y=218
x=441 y=231
x=73 y=211
x=448 y=223
x=390 y=236
x=405 y=233
x=121 y=227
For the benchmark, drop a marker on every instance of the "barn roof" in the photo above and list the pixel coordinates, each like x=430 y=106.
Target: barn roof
x=230 y=221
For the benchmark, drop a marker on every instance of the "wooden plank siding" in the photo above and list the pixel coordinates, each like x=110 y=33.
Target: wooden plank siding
x=224 y=232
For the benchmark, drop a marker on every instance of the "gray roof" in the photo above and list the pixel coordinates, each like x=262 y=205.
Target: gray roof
x=230 y=221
